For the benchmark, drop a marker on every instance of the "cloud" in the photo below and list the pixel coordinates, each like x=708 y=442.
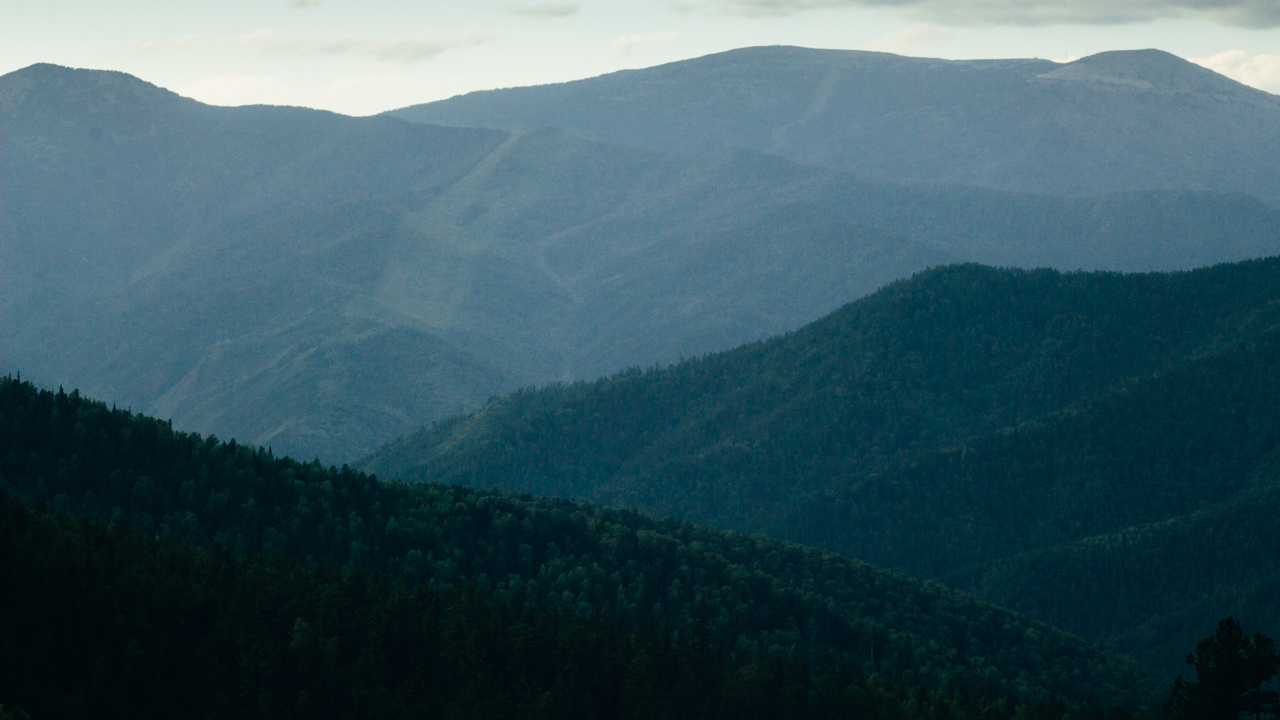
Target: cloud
x=902 y=41
x=1260 y=71
x=405 y=50
x=303 y=4
x=151 y=43
x=1241 y=13
x=542 y=10
x=231 y=89
x=625 y=44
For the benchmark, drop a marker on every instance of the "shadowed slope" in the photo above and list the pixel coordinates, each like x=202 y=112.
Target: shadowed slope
x=740 y=592
x=1028 y=435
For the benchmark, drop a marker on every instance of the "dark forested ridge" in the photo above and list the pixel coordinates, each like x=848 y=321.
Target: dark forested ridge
x=322 y=284
x=1127 y=120
x=740 y=592
x=1097 y=450
x=101 y=623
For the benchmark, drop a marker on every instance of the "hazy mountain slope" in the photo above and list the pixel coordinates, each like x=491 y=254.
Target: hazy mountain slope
x=945 y=426
x=322 y=284
x=194 y=260
x=1112 y=121
x=153 y=239
x=738 y=591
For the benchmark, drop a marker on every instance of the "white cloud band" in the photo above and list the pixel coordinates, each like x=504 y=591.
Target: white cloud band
x=628 y=43
x=1260 y=71
x=405 y=50
x=906 y=39
x=542 y=10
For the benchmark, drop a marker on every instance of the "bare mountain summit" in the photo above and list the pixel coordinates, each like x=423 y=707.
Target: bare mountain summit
x=1134 y=120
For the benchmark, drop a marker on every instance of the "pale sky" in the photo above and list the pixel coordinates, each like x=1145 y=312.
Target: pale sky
x=364 y=57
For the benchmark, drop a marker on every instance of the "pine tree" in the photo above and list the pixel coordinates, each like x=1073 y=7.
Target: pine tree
x=1230 y=671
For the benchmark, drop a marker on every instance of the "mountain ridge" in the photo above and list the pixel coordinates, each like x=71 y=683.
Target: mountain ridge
x=1099 y=124
x=203 y=262
x=752 y=594
x=963 y=425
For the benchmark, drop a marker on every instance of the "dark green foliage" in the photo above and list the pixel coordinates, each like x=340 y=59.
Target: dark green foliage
x=1063 y=444
x=1230 y=672
x=100 y=622
x=739 y=591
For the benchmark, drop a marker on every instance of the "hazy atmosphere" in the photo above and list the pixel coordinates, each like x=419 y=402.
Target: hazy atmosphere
x=366 y=57
x=719 y=359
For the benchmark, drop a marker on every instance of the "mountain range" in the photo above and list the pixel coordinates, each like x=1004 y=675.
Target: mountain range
x=793 y=328
x=323 y=284
x=1107 y=122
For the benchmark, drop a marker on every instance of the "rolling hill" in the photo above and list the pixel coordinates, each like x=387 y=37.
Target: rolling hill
x=1097 y=450
x=1108 y=122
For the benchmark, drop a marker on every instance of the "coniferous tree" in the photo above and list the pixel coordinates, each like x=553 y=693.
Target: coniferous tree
x=1230 y=671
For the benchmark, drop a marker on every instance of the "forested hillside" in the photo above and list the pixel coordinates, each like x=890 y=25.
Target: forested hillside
x=1114 y=121
x=748 y=593
x=322 y=284
x=1089 y=448
x=104 y=623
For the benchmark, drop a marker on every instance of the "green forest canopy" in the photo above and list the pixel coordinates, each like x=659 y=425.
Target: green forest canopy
x=101 y=622
x=745 y=592
x=1072 y=445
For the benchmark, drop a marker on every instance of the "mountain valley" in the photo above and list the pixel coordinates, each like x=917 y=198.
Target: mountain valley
x=1068 y=445
x=777 y=382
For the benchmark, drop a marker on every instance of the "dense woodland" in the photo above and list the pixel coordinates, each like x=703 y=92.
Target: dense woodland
x=746 y=593
x=1027 y=435
x=102 y=622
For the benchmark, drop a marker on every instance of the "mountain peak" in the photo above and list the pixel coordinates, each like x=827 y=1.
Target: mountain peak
x=88 y=90
x=1152 y=71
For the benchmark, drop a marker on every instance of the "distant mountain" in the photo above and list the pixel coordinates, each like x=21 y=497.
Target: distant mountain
x=735 y=592
x=1098 y=450
x=1108 y=122
x=323 y=284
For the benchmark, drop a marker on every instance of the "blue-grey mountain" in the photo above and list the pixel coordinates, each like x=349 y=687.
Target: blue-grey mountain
x=1112 y=121
x=323 y=284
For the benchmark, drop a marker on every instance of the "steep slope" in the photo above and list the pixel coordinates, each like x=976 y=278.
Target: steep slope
x=1112 y=121
x=749 y=593
x=179 y=253
x=967 y=425
x=322 y=284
